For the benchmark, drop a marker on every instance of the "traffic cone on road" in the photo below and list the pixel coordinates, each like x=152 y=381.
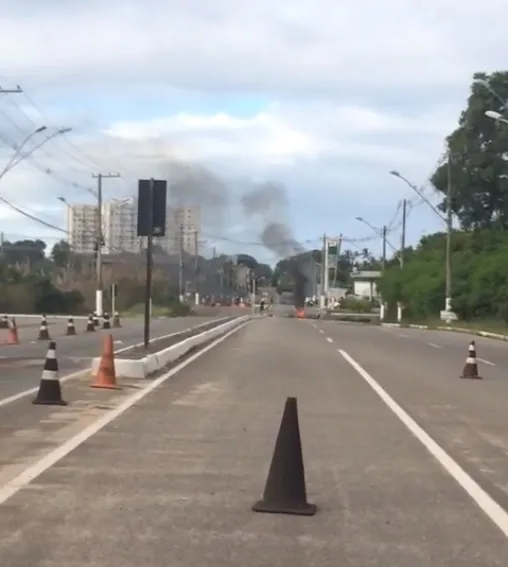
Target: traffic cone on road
x=106 y=375
x=4 y=322
x=116 y=320
x=285 y=491
x=90 y=327
x=106 y=324
x=12 y=337
x=43 y=332
x=471 y=367
x=50 y=393
x=71 y=329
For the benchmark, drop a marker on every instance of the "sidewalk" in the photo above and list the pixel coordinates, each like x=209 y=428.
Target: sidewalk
x=170 y=483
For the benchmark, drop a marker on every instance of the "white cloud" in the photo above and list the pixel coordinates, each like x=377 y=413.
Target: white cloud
x=343 y=93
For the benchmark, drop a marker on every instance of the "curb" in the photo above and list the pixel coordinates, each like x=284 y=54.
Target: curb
x=148 y=365
x=485 y=334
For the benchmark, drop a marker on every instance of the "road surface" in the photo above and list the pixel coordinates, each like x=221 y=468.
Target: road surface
x=171 y=480
x=21 y=365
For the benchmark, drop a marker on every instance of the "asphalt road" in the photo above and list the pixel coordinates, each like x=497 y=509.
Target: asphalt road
x=21 y=365
x=172 y=480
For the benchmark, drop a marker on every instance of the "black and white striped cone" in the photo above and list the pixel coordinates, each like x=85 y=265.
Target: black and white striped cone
x=43 y=332
x=471 y=367
x=71 y=329
x=116 y=320
x=106 y=324
x=4 y=322
x=90 y=326
x=50 y=393
x=96 y=321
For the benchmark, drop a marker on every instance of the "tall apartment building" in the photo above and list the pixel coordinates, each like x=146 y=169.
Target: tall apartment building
x=82 y=223
x=119 y=225
x=183 y=225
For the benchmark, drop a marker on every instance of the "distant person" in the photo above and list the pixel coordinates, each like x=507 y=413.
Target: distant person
x=262 y=305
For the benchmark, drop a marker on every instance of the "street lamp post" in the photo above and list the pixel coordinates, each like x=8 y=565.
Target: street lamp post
x=448 y=221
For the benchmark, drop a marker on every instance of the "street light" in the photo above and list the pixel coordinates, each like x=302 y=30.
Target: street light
x=488 y=86
x=497 y=116
x=382 y=234
x=447 y=220
x=18 y=156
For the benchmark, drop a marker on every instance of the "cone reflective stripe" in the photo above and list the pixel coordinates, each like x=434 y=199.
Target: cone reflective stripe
x=90 y=327
x=71 y=329
x=285 y=491
x=106 y=322
x=43 y=332
x=50 y=393
x=471 y=366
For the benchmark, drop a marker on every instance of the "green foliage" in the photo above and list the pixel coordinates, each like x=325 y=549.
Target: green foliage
x=479 y=276
x=479 y=184
x=356 y=305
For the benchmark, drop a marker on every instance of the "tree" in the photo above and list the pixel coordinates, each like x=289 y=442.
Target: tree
x=480 y=276
x=61 y=254
x=476 y=164
x=30 y=252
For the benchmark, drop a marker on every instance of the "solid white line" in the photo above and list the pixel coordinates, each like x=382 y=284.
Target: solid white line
x=487 y=362
x=74 y=375
x=491 y=508
x=434 y=345
x=57 y=454
x=329 y=339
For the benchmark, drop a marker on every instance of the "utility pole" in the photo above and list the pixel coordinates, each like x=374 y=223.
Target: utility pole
x=449 y=227
x=196 y=267
x=99 y=293
x=149 y=268
x=384 y=245
x=180 y=266
x=324 y=267
x=403 y=236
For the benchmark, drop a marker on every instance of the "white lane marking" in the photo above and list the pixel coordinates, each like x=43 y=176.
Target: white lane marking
x=402 y=335
x=434 y=345
x=321 y=331
x=329 y=339
x=74 y=375
x=487 y=362
x=491 y=508
x=57 y=454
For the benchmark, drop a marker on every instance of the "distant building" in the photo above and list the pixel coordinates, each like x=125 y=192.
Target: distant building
x=183 y=229
x=119 y=228
x=364 y=283
x=82 y=226
x=119 y=224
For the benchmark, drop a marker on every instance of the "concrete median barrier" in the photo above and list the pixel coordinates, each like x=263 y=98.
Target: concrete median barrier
x=153 y=362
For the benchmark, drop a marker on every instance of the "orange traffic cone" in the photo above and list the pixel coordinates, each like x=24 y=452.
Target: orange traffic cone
x=471 y=367
x=106 y=375
x=12 y=337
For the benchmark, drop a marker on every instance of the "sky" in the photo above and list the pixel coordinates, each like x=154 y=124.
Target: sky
x=322 y=97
